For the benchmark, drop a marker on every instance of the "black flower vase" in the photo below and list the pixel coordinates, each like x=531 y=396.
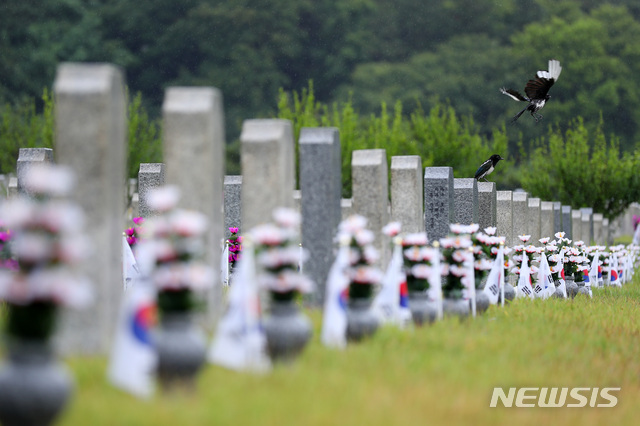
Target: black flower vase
x=453 y=303
x=482 y=300
x=422 y=309
x=571 y=286
x=287 y=329
x=180 y=344
x=34 y=386
x=361 y=321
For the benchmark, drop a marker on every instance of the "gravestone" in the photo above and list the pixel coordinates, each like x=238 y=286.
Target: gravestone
x=369 y=174
x=533 y=219
x=132 y=187
x=3 y=186
x=576 y=228
x=135 y=205
x=321 y=188
x=606 y=232
x=27 y=158
x=598 y=236
x=90 y=137
x=407 y=194
x=487 y=204
x=504 y=225
x=346 y=208
x=520 y=215
x=587 y=224
x=12 y=189
x=465 y=202
x=438 y=201
x=557 y=217
x=297 y=200
x=150 y=176
x=193 y=143
x=232 y=204
x=547 y=219
x=268 y=177
x=567 y=222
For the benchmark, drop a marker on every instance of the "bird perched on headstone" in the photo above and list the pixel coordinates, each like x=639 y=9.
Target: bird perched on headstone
x=536 y=90
x=487 y=167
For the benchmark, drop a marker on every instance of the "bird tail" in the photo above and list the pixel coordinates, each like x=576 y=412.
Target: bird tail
x=515 y=117
x=554 y=69
x=513 y=94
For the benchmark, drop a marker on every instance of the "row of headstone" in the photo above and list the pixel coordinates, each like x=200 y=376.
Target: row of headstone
x=90 y=138
x=90 y=132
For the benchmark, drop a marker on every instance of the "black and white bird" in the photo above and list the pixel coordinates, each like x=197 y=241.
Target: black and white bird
x=537 y=90
x=487 y=167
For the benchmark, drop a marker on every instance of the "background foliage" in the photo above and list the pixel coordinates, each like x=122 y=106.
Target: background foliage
x=408 y=75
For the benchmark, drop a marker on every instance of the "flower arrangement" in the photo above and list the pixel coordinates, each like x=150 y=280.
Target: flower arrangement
x=134 y=233
x=417 y=258
x=176 y=245
x=455 y=250
x=573 y=262
x=363 y=274
x=485 y=250
x=7 y=261
x=522 y=250
x=278 y=255
x=48 y=246
x=235 y=247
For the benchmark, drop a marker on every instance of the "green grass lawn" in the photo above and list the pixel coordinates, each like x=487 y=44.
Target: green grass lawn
x=439 y=374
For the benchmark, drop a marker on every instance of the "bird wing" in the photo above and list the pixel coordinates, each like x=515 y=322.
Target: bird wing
x=513 y=95
x=538 y=88
x=483 y=169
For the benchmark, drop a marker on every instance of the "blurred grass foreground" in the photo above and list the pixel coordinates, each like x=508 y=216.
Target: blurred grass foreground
x=439 y=374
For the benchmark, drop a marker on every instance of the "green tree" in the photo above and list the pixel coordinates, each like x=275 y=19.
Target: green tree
x=144 y=136
x=440 y=137
x=21 y=126
x=581 y=168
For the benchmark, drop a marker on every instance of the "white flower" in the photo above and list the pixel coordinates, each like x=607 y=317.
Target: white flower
x=364 y=237
x=458 y=229
x=163 y=198
x=392 y=229
x=524 y=238
x=559 y=235
x=491 y=230
x=353 y=224
x=421 y=271
x=483 y=264
x=578 y=243
x=17 y=213
x=33 y=247
x=366 y=274
x=461 y=256
x=458 y=271
x=370 y=254
x=267 y=234
x=413 y=254
x=187 y=223
x=49 y=179
x=415 y=239
x=544 y=240
x=286 y=217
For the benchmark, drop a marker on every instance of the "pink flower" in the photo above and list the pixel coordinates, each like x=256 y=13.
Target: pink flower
x=132 y=240
x=130 y=232
x=233 y=230
x=138 y=220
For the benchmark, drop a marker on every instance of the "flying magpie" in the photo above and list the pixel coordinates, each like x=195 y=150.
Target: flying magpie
x=536 y=90
x=487 y=167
